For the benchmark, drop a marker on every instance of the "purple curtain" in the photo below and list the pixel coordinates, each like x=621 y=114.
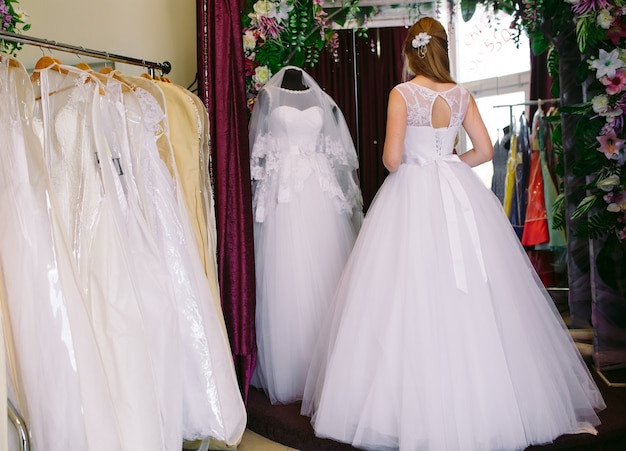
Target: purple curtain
x=375 y=62
x=221 y=87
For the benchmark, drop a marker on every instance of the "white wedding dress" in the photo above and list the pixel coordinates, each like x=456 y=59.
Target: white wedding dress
x=211 y=400
x=441 y=335
x=305 y=225
x=82 y=172
x=55 y=368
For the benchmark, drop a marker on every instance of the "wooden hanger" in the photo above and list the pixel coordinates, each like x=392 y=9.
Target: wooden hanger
x=45 y=62
x=49 y=62
x=109 y=72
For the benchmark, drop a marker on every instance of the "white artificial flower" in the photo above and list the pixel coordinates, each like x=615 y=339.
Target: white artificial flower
x=604 y=19
x=420 y=40
x=600 y=103
x=613 y=208
x=608 y=183
x=607 y=63
x=249 y=41
x=264 y=8
x=261 y=75
x=281 y=13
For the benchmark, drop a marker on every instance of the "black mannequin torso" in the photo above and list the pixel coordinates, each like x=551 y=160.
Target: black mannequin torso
x=292 y=79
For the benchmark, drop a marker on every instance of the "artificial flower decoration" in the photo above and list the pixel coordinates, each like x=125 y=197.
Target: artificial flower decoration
x=277 y=33
x=600 y=34
x=605 y=19
x=617 y=30
x=618 y=203
x=608 y=183
x=12 y=19
x=420 y=40
x=610 y=145
x=616 y=84
x=584 y=6
x=607 y=63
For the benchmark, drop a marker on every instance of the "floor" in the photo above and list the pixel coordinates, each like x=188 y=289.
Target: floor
x=254 y=442
x=251 y=441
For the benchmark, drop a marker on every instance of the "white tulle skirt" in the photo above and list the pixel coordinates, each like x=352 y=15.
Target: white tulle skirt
x=441 y=336
x=300 y=251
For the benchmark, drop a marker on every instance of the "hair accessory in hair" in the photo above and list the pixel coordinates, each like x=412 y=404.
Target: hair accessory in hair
x=419 y=42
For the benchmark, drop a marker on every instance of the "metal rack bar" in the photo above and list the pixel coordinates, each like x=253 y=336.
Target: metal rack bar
x=20 y=426
x=165 y=67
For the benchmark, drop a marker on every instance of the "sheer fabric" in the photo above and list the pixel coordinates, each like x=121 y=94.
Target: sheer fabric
x=115 y=340
x=307 y=211
x=58 y=376
x=427 y=345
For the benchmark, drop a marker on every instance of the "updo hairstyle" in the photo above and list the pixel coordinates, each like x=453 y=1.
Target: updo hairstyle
x=435 y=63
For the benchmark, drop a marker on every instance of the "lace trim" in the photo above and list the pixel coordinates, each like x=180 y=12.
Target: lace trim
x=419 y=100
x=153 y=115
x=278 y=171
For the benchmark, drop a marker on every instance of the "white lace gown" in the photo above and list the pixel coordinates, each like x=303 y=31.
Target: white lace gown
x=303 y=234
x=441 y=335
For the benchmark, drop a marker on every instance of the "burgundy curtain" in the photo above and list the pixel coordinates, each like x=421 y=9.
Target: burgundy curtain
x=221 y=87
x=375 y=62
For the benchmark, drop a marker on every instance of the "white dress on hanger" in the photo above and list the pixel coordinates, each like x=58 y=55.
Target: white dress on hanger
x=441 y=335
x=212 y=402
x=82 y=173
x=307 y=210
x=56 y=373
x=121 y=111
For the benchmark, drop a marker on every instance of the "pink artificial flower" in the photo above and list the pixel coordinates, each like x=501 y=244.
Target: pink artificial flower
x=617 y=30
x=619 y=203
x=249 y=66
x=610 y=145
x=615 y=84
x=584 y=6
x=269 y=27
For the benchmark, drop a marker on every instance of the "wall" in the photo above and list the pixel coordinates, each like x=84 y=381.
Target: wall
x=154 y=30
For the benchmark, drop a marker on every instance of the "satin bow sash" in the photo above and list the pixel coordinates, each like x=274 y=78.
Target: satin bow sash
x=452 y=189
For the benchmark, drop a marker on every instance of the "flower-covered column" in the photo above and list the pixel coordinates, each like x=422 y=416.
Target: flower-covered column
x=601 y=152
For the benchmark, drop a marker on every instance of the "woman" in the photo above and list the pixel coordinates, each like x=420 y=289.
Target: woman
x=441 y=335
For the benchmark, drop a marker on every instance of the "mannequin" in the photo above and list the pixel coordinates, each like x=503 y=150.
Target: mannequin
x=307 y=210
x=292 y=80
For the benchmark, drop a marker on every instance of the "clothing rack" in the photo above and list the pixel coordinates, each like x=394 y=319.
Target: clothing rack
x=20 y=426
x=165 y=67
x=538 y=102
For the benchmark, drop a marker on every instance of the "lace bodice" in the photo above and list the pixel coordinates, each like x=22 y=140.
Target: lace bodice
x=423 y=142
x=291 y=148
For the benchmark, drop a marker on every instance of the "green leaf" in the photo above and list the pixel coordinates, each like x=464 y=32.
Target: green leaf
x=582 y=32
x=558 y=212
x=584 y=206
x=468 y=8
x=579 y=108
x=552 y=62
x=539 y=43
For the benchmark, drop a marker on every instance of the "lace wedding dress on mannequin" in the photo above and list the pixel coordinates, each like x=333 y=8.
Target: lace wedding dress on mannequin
x=307 y=211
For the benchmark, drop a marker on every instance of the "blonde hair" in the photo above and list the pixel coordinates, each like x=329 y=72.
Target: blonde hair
x=435 y=64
